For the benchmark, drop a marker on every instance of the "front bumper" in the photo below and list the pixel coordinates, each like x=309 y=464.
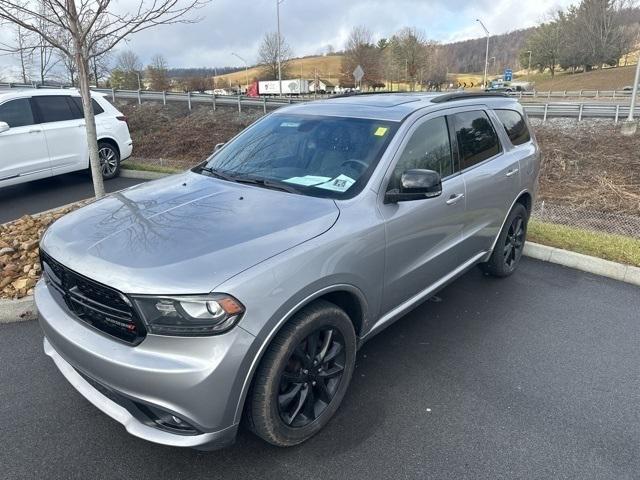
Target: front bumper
x=198 y=379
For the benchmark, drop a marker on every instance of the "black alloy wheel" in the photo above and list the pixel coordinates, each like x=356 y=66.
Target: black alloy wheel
x=514 y=243
x=509 y=245
x=311 y=377
x=303 y=376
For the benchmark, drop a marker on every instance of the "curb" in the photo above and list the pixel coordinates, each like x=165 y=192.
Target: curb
x=586 y=263
x=24 y=308
x=19 y=310
x=142 y=174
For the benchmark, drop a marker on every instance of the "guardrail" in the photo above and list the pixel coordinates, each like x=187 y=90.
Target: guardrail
x=579 y=110
x=613 y=94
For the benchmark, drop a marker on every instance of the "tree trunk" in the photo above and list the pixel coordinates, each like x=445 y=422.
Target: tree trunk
x=90 y=122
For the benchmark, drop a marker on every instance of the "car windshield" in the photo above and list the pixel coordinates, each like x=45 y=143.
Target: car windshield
x=312 y=155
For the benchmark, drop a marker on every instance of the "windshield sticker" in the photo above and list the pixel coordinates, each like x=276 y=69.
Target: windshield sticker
x=341 y=183
x=380 y=131
x=307 y=180
x=290 y=124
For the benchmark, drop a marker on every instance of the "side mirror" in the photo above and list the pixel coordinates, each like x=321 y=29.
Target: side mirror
x=218 y=146
x=416 y=184
x=4 y=126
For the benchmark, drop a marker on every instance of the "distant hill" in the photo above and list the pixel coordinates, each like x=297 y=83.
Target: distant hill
x=464 y=56
x=328 y=68
x=469 y=55
x=200 y=71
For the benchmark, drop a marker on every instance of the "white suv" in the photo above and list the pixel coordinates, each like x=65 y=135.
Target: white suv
x=42 y=134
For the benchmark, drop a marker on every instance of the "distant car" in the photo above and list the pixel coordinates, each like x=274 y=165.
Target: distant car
x=42 y=134
x=242 y=289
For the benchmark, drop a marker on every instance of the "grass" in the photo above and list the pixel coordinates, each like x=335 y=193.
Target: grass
x=616 y=248
x=143 y=167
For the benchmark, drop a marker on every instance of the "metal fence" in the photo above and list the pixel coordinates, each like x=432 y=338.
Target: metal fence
x=573 y=93
x=578 y=110
x=587 y=219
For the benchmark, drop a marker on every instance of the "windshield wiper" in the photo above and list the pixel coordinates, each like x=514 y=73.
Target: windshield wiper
x=266 y=183
x=253 y=181
x=218 y=174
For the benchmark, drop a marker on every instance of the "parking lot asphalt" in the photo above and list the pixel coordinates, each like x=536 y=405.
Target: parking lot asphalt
x=532 y=377
x=39 y=195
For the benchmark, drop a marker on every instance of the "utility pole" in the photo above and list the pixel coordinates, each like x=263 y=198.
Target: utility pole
x=278 y=2
x=246 y=69
x=486 y=54
x=529 y=67
x=406 y=70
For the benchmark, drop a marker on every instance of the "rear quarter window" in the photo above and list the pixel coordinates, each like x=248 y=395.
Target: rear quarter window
x=97 y=109
x=515 y=126
x=477 y=140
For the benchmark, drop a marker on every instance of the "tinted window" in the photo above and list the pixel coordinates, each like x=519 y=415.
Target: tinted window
x=97 y=109
x=428 y=148
x=477 y=140
x=17 y=113
x=54 y=108
x=515 y=126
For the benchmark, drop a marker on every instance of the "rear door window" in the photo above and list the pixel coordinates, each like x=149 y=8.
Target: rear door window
x=477 y=140
x=56 y=108
x=515 y=126
x=16 y=113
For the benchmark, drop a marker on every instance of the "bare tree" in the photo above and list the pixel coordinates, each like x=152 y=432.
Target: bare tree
x=88 y=23
x=22 y=48
x=127 y=73
x=268 y=56
x=100 y=65
x=409 y=52
x=158 y=73
x=360 y=50
x=198 y=83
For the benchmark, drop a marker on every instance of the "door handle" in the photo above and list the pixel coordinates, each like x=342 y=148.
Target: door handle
x=511 y=172
x=453 y=199
x=35 y=130
x=81 y=125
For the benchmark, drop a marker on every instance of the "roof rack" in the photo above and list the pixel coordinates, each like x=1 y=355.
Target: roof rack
x=448 y=97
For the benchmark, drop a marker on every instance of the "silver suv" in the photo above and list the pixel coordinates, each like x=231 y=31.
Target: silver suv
x=243 y=288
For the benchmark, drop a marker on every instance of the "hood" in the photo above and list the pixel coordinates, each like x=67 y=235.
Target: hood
x=183 y=234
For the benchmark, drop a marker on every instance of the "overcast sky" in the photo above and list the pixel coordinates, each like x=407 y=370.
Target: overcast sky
x=310 y=26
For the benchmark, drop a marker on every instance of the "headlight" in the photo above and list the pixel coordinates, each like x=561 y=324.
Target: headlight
x=189 y=315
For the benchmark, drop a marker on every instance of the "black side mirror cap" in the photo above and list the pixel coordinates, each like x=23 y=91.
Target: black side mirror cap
x=416 y=184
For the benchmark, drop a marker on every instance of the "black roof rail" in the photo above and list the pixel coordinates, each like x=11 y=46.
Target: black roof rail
x=356 y=93
x=448 y=97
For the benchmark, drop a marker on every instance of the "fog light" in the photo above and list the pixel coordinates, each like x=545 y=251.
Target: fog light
x=168 y=421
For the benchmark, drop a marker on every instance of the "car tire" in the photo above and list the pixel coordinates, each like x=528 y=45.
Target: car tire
x=508 y=250
x=292 y=397
x=109 y=160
